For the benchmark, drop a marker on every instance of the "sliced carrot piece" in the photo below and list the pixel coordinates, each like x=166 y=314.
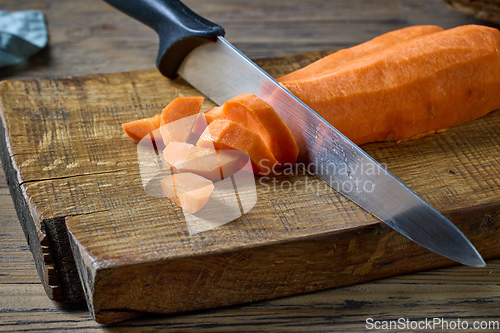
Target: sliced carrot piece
x=255 y=114
x=227 y=134
x=199 y=125
x=178 y=130
x=208 y=116
x=185 y=157
x=206 y=162
x=214 y=113
x=178 y=117
x=231 y=161
x=181 y=107
x=141 y=128
x=188 y=190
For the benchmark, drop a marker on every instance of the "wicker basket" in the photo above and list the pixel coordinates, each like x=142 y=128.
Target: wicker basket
x=487 y=10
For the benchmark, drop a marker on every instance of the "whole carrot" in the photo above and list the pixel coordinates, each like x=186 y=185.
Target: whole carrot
x=329 y=63
x=411 y=89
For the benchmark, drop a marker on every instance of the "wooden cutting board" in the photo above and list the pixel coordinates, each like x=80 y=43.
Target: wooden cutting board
x=76 y=184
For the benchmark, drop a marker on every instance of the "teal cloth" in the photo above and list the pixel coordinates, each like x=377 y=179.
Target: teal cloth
x=22 y=34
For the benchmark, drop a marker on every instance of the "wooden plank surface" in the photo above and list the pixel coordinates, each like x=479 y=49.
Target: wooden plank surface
x=327 y=310
x=70 y=163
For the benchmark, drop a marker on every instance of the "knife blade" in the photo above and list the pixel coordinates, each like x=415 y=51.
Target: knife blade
x=195 y=49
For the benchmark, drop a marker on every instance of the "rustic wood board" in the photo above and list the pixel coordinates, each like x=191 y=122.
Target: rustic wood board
x=70 y=168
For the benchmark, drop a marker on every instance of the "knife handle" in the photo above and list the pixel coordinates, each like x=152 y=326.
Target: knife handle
x=179 y=29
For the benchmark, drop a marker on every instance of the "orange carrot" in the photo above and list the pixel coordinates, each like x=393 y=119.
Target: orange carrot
x=206 y=162
x=255 y=114
x=178 y=117
x=206 y=118
x=141 y=128
x=231 y=161
x=213 y=113
x=188 y=190
x=224 y=134
x=329 y=63
x=414 y=88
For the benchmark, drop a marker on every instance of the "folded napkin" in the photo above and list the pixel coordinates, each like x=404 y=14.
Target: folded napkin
x=22 y=34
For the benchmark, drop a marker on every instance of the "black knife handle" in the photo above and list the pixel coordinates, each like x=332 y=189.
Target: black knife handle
x=179 y=29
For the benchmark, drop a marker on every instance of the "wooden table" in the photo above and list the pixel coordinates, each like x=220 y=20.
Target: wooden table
x=91 y=37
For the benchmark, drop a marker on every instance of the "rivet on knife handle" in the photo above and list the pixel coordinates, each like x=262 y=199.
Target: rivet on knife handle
x=179 y=28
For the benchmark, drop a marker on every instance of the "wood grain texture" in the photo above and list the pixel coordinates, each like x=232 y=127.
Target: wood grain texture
x=94 y=38
x=134 y=252
x=483 y=10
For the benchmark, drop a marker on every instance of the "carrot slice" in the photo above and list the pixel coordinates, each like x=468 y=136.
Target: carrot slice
x=178 y=117
x=207 y=117
x=188 y=190
x=185 y=157
x=206 y=162
x=231 y=161
x=227 y=134
x=255 y=114
x=214 y=113
x=141 y=128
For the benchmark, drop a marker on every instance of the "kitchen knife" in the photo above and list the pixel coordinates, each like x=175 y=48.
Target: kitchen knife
x=195 y=49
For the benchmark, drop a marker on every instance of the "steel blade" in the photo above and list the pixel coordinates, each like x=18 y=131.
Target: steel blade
x=221 y=72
